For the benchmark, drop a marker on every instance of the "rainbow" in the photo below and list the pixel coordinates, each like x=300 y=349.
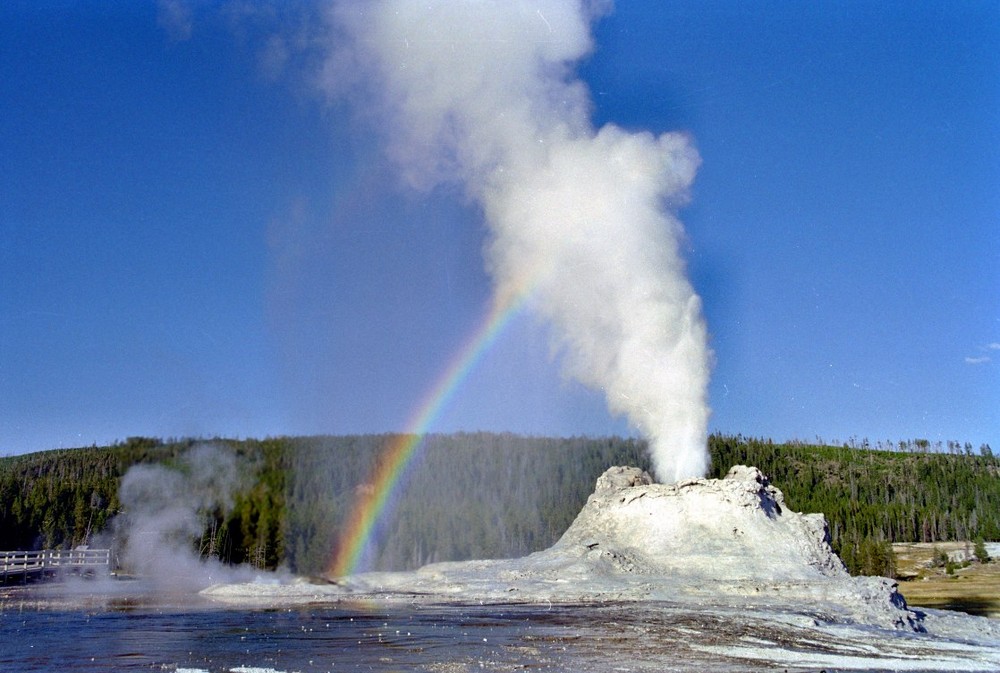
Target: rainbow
x=396 y=456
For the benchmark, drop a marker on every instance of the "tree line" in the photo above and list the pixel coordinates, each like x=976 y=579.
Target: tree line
x=487 y=495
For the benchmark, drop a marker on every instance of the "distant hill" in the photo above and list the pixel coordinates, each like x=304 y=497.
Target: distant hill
x=484 y=495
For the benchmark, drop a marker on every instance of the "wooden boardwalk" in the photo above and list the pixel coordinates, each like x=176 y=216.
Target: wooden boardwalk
x=25 y=565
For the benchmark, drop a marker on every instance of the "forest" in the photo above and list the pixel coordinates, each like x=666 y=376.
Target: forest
x=483 y=495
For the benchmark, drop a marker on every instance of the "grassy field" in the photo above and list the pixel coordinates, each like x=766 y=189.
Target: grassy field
x=974 y=589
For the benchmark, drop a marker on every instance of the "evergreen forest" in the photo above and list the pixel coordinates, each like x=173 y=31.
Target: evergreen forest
x=484 y=495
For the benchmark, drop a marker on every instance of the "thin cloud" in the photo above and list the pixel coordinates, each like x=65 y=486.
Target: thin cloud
x=983 y=359
x=174 y=16
x=273 y=58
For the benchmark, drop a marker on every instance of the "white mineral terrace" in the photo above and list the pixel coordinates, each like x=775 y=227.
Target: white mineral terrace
x=726 y=553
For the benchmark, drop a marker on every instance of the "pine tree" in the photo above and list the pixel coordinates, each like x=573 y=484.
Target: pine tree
x=980 y=551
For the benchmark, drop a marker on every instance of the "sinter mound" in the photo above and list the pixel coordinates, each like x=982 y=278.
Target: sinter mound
x=729 y=542
x=737 y=528
x=727 y=550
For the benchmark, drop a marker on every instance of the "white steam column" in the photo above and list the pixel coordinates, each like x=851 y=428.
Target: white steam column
x=482 y=94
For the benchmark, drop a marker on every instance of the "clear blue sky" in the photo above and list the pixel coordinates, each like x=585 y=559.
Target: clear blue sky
x=193 y=242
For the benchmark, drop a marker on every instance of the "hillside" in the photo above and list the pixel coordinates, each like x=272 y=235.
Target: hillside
x=872 y=498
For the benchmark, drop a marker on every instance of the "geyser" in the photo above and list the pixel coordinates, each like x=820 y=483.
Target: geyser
x=740 y=574
x=482 y=95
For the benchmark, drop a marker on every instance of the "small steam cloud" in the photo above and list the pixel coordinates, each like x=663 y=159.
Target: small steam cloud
x=174 y=16
x=482 y=95
x=164 y=512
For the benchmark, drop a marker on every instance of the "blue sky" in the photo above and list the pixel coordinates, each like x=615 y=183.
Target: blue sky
x=195 y=242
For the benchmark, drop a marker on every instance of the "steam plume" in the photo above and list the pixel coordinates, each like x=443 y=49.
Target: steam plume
x=481 y=94
x=164 y=512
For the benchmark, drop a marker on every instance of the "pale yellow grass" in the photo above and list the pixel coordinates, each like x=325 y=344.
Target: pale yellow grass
x=975 y=589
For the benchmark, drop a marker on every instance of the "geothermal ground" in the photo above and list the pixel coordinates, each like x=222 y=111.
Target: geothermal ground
x=702 y=574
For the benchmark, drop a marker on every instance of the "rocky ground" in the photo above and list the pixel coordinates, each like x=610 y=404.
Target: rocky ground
x=714 y=573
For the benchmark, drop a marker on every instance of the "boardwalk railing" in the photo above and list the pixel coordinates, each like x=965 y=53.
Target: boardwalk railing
x=78 y=561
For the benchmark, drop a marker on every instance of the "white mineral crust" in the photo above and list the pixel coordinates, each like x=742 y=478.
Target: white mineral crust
x=727 y=547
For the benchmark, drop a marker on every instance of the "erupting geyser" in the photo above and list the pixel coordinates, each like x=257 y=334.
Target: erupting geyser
x=482 y=95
